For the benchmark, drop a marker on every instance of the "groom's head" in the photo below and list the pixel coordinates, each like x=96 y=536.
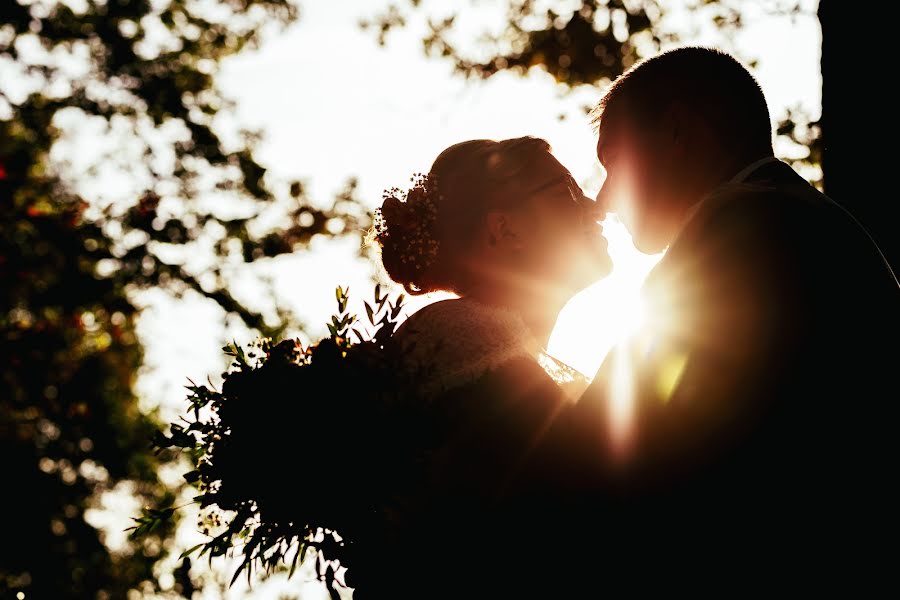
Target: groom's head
x=671 y=129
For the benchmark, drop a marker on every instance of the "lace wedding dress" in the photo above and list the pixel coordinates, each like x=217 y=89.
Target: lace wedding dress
x=456 y=342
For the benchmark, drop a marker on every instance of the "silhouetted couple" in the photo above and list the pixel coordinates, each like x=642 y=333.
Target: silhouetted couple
x=743 y=435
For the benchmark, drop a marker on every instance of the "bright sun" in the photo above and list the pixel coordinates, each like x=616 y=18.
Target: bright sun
x=600 y=316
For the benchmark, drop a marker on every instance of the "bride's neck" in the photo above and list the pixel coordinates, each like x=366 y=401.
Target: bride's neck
x=540 y=321
x=538 y=312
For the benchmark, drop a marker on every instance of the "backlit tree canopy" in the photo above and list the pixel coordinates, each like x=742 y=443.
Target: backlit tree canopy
x=119 y=167
x=584 y=42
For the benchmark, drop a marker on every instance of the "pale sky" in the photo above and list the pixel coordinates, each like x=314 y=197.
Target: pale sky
x=332 y=104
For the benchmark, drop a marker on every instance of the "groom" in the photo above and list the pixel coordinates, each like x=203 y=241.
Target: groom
x=746 y=434
x=756 y=413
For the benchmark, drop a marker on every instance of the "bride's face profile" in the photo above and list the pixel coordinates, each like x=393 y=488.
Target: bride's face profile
x=549 y=236
x=500 y=220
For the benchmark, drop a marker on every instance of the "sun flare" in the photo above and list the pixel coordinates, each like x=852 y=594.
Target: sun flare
x=600 y=316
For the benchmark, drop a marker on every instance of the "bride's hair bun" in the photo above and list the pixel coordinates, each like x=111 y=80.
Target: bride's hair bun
x=406 y=229
x=425 y=233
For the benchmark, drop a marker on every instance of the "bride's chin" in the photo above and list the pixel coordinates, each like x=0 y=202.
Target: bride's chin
x=597 y=259
x=602 y=266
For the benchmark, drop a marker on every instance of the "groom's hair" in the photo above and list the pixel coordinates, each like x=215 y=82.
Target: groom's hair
x=707 y=79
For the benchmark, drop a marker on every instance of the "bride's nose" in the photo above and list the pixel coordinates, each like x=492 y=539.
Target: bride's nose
x=594 y=208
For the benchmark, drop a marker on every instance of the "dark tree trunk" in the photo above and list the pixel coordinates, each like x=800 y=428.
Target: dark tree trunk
x=857 y=119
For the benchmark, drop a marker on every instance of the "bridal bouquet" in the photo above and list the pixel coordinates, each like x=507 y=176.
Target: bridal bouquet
x=302 y=448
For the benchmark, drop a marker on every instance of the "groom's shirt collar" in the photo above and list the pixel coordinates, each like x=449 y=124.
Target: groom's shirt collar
x=744 y=173
x=740 y=177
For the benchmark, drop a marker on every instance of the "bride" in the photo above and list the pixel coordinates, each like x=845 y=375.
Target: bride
x=502 y=225
x=439 y=459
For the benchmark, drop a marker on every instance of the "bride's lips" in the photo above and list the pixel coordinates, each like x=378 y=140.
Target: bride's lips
x=595 y=234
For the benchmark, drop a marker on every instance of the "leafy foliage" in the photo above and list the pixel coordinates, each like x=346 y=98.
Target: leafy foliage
x=590 y=43
x=70 y=427
x=141 y=74
x=336 y=406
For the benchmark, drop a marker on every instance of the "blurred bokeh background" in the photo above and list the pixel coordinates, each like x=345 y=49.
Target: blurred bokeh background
x=177 y=174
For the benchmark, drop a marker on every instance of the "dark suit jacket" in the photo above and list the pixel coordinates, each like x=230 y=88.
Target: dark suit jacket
x=765 y=388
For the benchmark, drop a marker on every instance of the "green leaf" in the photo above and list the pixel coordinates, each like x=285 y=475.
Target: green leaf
x=342 y=298
x=301 y=550
x=370 y=312
x=151 y=520
x=190 y=551
x=395 y=312
x=237 y=573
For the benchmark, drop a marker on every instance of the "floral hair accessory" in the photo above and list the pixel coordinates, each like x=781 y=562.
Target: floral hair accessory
x=410 y=218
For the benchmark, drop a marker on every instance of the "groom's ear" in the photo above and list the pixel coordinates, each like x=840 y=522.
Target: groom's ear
x=676 y=124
